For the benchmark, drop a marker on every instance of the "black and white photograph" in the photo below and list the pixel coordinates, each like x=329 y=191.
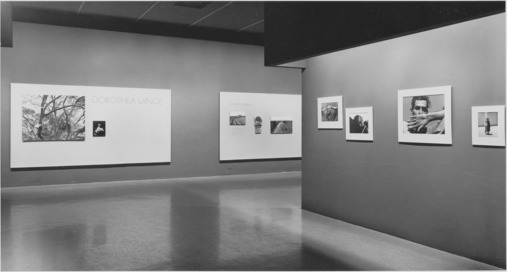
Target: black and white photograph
x=237 y=118
x=424 y=115
x=258 y=124
x=329 y=112
x=253 y=135
x=488 y=125
x=359 y=123
x=99 y=128
x=281 y=126
x=53 y=118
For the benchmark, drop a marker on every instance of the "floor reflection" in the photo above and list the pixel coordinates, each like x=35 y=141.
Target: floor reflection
x=250 y=222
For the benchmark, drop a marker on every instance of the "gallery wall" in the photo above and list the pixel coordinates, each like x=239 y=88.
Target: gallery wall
x=450 y=197
x=195 y=72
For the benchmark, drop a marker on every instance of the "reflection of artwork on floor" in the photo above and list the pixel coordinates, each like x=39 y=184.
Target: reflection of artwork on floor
x=281 y=126
x=258 y=124
x=99 y=128
x=488 y=124
x=53 y=118
x=329 y=112
x=237 y=118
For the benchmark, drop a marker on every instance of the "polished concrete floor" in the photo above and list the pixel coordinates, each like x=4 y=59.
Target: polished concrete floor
x=247 y=222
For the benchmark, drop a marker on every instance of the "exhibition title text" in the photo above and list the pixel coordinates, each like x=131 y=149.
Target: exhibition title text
x=157 y=101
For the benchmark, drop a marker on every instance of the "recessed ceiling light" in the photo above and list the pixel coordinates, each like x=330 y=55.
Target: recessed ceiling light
x=192 y=4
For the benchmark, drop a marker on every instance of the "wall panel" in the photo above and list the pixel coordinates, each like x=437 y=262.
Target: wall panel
x=448 y=197
x=195 y=72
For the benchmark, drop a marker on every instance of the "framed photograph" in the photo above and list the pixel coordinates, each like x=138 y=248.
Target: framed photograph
x=258 y=124
x=359 y=124
x=52 y=117
x=99 y=128
x=424 y=115
x=237 y=118
x=281 y=125
x=330 y=112
x=488 y=125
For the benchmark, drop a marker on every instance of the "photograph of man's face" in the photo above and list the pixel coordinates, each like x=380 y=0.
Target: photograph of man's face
x=424 y=114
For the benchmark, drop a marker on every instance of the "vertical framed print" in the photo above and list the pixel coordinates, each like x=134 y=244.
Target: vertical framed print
x=488 y=125
x=330 y=112
x=424 y=115
x=359 y=124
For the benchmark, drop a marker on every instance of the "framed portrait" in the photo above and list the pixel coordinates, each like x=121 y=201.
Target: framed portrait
x=99 y=128
x=329 y=112
x=359 y=124
x=488 y=125
x=424 y=115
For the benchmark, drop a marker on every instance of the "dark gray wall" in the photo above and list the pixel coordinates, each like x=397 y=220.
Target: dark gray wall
x=447 y=197
x=195 y=71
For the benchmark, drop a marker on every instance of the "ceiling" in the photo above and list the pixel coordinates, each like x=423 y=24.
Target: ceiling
x=237 y=21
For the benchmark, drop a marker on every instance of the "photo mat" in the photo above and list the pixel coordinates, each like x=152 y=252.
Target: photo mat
x=330 y=112
x=359 y=124
x=488 y=125
x=424 y=115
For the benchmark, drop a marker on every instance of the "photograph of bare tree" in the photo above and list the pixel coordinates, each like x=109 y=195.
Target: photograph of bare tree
x=53 y=118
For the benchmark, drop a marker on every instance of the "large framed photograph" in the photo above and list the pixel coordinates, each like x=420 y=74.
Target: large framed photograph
x=54 y=117
x=488 y=125
x=424 y=115
x=329 y=112
x=359 y=124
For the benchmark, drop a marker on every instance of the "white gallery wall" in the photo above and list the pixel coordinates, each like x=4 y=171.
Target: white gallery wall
x=137 y=123
x=195 y=71
x=258 y=140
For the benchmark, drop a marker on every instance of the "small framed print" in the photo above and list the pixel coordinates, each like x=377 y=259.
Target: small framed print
x=281 y=125
x=359 y=124
x=329 y=112
x=488 y=125
x=99 y=128
x=424 y=115
x=237 y=118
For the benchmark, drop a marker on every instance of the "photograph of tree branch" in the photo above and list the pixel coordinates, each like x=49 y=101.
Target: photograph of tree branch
x=53 y=118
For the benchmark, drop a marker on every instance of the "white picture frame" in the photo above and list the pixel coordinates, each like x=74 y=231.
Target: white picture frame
x=359 y=124
x=495 y=134
x=330 y=112
x=424 y=115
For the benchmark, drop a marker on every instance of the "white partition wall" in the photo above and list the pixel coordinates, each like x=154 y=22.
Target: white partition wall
x=259 y=126
x=135 y=125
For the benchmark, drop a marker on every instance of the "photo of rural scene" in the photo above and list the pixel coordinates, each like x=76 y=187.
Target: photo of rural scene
x=53 y=118
x=488 y=124
x=281 y=126
x=329 y=112
x=358 y=123
x=237 y=118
